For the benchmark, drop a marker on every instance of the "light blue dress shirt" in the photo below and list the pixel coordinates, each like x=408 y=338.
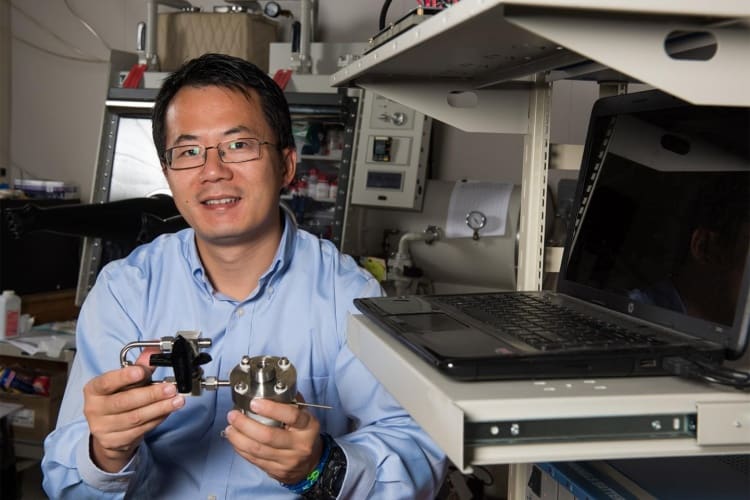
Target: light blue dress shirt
x=299 y=310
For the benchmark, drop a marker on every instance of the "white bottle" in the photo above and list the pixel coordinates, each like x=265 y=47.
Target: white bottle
x=312 y=182
x=333 y=189
x=321 y=189
x=10 y=313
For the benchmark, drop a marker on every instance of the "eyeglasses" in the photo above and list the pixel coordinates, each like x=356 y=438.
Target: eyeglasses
x=189 y=156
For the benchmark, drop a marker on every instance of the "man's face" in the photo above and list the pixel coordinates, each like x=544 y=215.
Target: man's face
x=226 y=203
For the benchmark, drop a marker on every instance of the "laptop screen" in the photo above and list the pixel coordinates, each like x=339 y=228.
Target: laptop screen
x=663 y=219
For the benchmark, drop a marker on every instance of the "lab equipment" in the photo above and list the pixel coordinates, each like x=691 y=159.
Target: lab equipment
x=451 y=263
x=267 y=377
x=183 y=35
x=391 y=161
x=128 y=168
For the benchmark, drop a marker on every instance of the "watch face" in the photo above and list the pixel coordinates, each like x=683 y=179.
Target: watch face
x=476 y=219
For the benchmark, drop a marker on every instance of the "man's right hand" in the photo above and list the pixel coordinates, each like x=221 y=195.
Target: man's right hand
x=120 y=410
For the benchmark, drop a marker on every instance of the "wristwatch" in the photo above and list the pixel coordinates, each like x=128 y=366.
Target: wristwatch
x=332 y=478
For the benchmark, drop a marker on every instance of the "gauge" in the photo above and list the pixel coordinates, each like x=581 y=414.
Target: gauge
x=476 y=220
x=271 y=9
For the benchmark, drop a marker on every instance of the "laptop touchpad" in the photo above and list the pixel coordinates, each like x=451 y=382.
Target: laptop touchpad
x=425 y=323
x=446 y=336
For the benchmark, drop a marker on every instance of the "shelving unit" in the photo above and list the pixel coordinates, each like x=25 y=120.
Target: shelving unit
x=481 y=44
x=487 y=66
x=326 y=113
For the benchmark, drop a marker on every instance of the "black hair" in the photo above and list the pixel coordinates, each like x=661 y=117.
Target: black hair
x=232 y=73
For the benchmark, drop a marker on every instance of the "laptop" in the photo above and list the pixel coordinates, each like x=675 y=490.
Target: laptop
x=654 y=270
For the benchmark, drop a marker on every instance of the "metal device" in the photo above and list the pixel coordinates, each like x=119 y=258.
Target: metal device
x=267 y=377
x=391 y=161
x=150 y=57
x=476 y=221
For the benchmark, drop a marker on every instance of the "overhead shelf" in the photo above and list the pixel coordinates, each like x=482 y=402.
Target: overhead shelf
x=485 y=44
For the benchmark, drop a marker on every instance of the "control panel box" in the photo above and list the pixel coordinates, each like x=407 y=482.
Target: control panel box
x=391 y=160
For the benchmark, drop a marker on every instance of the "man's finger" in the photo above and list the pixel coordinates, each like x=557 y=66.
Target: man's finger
x=289 y=414
x=144 y=397
x=144 y=359
x=116 y=380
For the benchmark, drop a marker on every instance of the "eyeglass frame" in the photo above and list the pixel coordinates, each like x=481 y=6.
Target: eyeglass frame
x=168 y=152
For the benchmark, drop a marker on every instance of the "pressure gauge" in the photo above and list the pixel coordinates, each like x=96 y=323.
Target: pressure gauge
x=272 y=9
x=476 y=220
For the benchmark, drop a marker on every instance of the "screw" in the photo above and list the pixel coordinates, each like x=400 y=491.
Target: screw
x=279 y=387
x=241 y=388
x=656 y=425
x=245 y=364
x=515 y=429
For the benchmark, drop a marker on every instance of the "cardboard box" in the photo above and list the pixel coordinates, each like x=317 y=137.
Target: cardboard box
x=184 y=35
x=38 y=416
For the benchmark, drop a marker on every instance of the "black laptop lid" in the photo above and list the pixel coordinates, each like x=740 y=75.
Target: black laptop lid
x=663 y=221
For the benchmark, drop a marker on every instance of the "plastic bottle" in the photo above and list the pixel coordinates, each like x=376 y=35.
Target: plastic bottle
x=333 y=190
x=321 y=189
x=10 y=312
x=312 y=182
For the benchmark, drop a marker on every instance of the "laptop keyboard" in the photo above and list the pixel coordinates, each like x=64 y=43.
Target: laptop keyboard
x=545 y=326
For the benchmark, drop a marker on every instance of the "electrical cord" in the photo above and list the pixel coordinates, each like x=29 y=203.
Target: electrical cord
x=383 y=14
x=707 y=371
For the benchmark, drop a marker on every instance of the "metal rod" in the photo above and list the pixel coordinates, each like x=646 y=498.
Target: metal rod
x=313 y=405
x=132 y=345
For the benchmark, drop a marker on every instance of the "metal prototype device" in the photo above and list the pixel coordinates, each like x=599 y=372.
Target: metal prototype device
x=267 y=377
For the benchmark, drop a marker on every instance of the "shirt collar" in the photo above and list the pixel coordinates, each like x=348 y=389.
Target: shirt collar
x=280 y=263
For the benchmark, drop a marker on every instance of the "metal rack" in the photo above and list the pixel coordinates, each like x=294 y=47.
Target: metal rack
x=487 y=66
x=340 y=109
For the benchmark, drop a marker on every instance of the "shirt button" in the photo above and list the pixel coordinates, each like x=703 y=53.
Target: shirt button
x=270 y=289
x=240 y=312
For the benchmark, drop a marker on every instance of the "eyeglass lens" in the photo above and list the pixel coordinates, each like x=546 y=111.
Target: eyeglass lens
x=232 y=151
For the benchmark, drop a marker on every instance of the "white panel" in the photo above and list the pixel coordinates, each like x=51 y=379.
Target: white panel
x=396 y=180
x=723 y=423
x=5 y=85
x=636 y=47
x=472 y=110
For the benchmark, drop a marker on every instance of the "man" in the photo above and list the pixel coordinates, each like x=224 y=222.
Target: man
x=245 y=277
x=710 y=253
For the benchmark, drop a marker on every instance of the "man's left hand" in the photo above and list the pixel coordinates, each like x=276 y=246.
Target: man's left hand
x=287 y=453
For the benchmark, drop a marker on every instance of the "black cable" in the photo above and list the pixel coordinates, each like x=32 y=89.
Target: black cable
x=383 y=14
x=707 y=371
